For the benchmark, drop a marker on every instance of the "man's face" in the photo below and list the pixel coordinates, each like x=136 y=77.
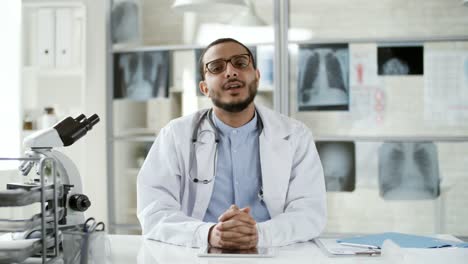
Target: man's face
x=234 y=89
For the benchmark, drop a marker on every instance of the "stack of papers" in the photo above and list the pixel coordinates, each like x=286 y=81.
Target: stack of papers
x=333 y=249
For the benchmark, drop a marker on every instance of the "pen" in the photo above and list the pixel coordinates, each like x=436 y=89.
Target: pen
x=368 y=253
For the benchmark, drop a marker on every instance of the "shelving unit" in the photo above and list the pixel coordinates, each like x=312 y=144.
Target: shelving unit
x=54 y=63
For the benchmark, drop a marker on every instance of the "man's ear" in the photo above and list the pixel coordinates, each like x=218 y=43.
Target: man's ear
x=258 y=74
x=203 y=87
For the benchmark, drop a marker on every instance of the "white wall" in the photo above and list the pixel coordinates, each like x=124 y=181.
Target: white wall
x=10 y=52
x=95 y=175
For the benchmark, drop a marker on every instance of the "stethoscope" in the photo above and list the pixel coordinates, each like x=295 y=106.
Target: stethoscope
x=208 y=115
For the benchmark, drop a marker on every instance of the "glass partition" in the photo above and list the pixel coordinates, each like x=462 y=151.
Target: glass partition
x=383 y=87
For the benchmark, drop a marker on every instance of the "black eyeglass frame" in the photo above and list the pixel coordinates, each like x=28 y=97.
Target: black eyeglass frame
x=228 y=61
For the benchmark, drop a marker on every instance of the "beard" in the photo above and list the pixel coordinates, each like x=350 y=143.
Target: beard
x=236 y=107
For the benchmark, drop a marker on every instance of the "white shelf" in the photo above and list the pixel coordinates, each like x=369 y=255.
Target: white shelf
x=123 y=48
x=138 y=132
x=133 y=171
x=265 y=90
x=51 y=71
x=135 y=138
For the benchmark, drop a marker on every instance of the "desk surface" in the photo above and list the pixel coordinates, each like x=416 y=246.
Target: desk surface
x=135 y=249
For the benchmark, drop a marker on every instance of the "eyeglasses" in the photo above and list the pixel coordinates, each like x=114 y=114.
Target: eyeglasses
x=240 y=61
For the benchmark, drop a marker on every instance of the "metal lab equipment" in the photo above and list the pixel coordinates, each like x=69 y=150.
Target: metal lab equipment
x=56 y=186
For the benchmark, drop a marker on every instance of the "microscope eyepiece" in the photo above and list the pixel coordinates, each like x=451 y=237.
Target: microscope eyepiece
x=92 y=120
x=71 y=129
x=80 y=117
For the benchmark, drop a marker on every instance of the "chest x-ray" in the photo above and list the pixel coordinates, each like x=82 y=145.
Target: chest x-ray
x=408 y=171
x=142 y=75
x=125 y=21
x=323 y=77
x=338 y=161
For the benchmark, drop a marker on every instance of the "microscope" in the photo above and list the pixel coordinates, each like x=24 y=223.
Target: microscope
x=41 y=145
x=55 y=183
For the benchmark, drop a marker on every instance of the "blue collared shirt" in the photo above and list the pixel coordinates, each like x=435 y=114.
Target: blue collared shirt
x=238 y=180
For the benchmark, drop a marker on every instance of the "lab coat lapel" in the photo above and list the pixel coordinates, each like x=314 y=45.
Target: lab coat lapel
x=276 y=160
x=205 y=160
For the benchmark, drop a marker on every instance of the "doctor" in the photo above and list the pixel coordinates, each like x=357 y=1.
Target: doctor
x=234 y=176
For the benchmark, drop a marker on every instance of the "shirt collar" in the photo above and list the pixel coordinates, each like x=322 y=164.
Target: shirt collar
x=226 y=129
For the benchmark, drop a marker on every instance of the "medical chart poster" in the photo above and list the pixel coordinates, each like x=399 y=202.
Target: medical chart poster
x=446 y=88
x=368 y=105
x=367 y=97
x=363 y=65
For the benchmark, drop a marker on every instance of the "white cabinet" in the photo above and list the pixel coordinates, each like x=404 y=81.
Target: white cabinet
x=54 y=34
x=63 y=37
x=53 y=75
x=45 y=51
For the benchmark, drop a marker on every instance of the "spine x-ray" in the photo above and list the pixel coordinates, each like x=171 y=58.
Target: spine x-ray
x=408 y=171
x=323 y=77
x=338 y=161
x=142 y=75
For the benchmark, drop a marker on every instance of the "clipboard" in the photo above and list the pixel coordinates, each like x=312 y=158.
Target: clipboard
x=332 y=248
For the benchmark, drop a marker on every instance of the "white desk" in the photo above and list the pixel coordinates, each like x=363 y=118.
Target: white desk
x=135 y=249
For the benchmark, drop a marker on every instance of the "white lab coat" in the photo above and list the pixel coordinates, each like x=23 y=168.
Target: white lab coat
x=171 y=206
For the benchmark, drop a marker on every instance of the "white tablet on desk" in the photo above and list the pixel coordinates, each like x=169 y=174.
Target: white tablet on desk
x=237 y=253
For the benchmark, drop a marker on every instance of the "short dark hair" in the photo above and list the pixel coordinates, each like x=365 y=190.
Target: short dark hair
x=201 y=65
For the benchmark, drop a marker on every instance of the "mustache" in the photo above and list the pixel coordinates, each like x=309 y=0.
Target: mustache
x=231 y=80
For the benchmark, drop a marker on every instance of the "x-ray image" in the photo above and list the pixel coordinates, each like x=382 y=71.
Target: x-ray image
x=408 y=171
x=141 y=75
x=323 y=77
x=400 y=60
x=125 y=21
x=198 y=78
x=338 y=161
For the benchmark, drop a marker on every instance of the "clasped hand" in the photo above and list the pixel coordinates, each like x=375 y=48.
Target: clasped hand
x=236 y=229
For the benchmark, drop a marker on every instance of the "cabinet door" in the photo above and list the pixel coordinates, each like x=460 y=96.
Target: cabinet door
x=63 y=37
x=45 y=37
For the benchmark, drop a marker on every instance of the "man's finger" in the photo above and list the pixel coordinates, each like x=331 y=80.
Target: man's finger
x=233 y=237
x=236 y=226
x=251 y=243
x=232 y=211
x=229 y=235
x=244 y=217
x=245 y=210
